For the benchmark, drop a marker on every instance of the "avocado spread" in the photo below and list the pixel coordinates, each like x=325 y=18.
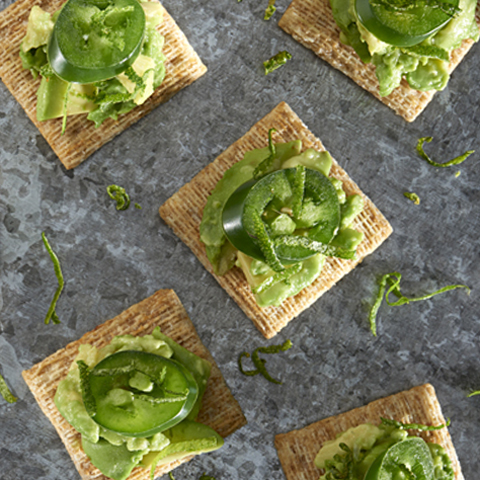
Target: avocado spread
x=368 y=452
x=423 y=59
x=129 y=390
x=270 y=286
x=100 y=25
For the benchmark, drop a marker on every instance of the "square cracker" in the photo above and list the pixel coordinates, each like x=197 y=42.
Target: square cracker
x=81 y=138
x=297 y=449
x=219 y=409
x=311 y=23
x=183 y=213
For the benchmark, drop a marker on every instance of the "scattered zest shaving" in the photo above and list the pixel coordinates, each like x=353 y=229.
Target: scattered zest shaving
x=260 y=362
x=264 y=166
x=119 y=195
x=138 y=206
x=413 y=197
x=170 y=474
x=52 y=314
x=472 y=394
x=276 y=61
x=206 y=477
x=271 y=9
x=455 y=161
x=413 y=426
x=341 y=467
x=393 y=280
x=5 y=391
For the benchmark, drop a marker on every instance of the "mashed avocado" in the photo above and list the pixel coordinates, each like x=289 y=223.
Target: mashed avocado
x=114 y=454
x=269 y=287
x=424 y=66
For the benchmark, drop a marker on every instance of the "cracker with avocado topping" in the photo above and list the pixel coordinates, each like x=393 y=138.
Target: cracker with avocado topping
x=219 y=411
x=81 y=138
x=311 y=23
x=298 y=448
x=183 y=213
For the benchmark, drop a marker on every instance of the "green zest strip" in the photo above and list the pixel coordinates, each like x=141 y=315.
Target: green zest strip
x=138 y=206
x=119 y=195
x=298 y=190
x=260 y=362
x=472 y=394
x=271 y=9
x=341 y=466
x=429 y=51
x=413 y=197
x=413 y=426
x=5 y=391
x=276 y=61
x=113 y=372
x=52 y=314
x=393 y=279
x=206 y=477
x=264 y=166
x=88 y=398
x=455 y=161
x=179 y=397
x=288 y=241
x=170 y=474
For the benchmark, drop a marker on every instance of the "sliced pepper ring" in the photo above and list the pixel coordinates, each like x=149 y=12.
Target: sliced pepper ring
x=94 y=40
x=124 y=408
x=243 y=212
x=402 y=28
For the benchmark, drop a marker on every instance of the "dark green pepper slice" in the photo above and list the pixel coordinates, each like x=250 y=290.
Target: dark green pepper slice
x=411 y=457
x=94 y=40
x=139 y=394
x=402 y=28
x=247 y=208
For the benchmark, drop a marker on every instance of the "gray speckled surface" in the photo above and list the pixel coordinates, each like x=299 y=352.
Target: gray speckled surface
x=112 y=259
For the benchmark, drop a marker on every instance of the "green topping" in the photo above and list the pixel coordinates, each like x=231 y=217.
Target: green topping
x=407 y=5
x=263 y=168
x=393 y=280
x=457 y=174
x=87 y=395
x=429 y=51
x=206 y=477
x=298 y=190
x=455 y=161
x=413 y=197
x=260 y=362
x=288 y=245
x=138 y=206
x=412 y=426
x=270 y=10
x=472 y=394
x=170 y=474
x=341 y=467
x=52 y=314
x=5 y=391
x=277 y=277
x=276 y=61
x=65 y=105
x=119 y=195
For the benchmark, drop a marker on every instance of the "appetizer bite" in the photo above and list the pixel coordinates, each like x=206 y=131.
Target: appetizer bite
x=138 y=394
x=401 y=52
x=278 y=225
x=99 y=64
x=401 y=436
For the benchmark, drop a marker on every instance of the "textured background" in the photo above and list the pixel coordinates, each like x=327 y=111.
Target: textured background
x=113 y=259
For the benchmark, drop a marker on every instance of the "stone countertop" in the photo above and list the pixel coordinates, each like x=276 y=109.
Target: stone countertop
x=113 y=259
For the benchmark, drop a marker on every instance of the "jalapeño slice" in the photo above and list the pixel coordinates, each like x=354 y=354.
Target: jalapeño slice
x=139 y=394
x=402 y=27
x=255 y=201
x=410 y=458
x=94 y=40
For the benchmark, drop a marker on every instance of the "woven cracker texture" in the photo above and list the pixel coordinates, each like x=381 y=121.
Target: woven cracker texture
x=183 y=213
x=219 y=409
x=297 y=449
x=81 y=138
x=311 y=23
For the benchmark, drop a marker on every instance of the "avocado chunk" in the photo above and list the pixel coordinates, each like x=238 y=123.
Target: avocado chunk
x=187 y=438
x=114 y=461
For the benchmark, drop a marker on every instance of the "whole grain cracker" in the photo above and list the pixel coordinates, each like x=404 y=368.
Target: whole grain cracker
x=297 y=449
x=183 y=213
x=311 y=23
x=219 y=411
x=81 y=138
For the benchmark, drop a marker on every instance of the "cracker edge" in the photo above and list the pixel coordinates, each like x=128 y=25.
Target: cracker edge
x=414 y=403
x=177 y=211
x=159 y=309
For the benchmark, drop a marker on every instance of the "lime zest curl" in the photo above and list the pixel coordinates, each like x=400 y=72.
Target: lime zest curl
x=393 y=281
x=264 y=166
x=455 y=161
x=260 y=362
x=270 y=10
x=413 y=197
x=281 y=58
x=472 y=394
x=119 y=194
x=5 y=392
x=413 y=426
x=52 y=314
